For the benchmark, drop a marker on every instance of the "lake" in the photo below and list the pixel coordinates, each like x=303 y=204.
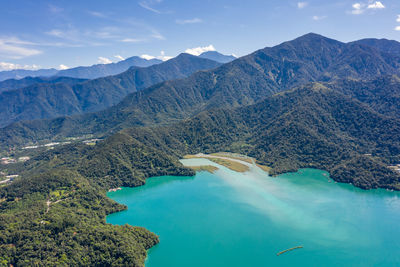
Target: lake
x=243 y=219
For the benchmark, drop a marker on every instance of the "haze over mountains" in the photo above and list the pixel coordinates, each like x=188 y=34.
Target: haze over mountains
x=57 y=98
x=20 y=73
x=102 y=70
x=244 y=81
x=90 y=72
x=13 y=84
x=216 y=56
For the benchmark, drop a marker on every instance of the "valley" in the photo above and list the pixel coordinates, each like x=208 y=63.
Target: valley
x=290 y=139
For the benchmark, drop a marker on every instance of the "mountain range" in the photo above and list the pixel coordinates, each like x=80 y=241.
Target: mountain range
x=244 y=81
x=13 y=84
x=312 y=102
x=57 y=98
x=21 y=73
x=101 y=70
x=89 y=72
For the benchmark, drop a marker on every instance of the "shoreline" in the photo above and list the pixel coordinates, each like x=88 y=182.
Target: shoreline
x=201 y=169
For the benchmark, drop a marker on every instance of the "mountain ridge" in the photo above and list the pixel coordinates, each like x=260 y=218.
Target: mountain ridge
x=216 y=56
x=310 y=103
x=49 y=100
x=82 y=72
x=244 y=81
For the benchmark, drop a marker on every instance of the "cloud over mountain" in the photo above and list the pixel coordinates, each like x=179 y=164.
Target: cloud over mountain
x=199 y=50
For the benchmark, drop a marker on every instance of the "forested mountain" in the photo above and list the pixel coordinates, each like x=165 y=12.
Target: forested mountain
x=55 y=214
x=244 y=81
x=19 y=74
x=381 y=94
x=384 y=45
x=89 y=72
x=13 y=84
x=49 y=100
x=309 y=126
x=216 y=56
x=311 y=102
x=103 y=70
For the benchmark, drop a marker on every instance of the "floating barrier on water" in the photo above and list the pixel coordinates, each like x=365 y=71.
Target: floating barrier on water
x=287 y=250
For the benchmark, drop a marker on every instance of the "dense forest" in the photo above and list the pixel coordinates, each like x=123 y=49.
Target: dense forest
x=244 y=81
x=54 y=214
x=310 y=126
x=66 y=96
x=267 y=105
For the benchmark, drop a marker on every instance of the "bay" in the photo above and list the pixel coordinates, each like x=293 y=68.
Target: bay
x=244 y=219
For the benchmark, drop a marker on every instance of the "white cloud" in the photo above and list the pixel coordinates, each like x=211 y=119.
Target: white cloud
x=119 y=57
x=360 y=8
x=156 y=35
x=318 y=17
x=147 y=4
x=55 y=33
x=11 y=66
x=97 y=14
x=72 y=35
x=376 y=5
x=189 y=21
x=398 y=18
x=8 y=66
x=63 y=67
x=104 y=60
x=128 y=31
x=15 y=48
x=131 y=40
x=397 y=28
x=162 y=56
x=199 y=50
x=301 y=5
x=105 y=33
x=148 y=57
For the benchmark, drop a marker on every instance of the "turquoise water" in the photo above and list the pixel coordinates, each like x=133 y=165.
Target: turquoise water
x=244 y=219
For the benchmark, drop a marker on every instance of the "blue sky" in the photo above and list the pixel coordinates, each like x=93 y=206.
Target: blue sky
x=62 y=33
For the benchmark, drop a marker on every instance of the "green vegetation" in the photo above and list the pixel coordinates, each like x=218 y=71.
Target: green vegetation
x=244 y=81
x=309 y=127
x=54 y=214
x=50 y=100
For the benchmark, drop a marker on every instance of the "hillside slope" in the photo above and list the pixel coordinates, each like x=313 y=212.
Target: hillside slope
x=13 y=84
x=241 y=82
x=310 y=126
x=49 y=100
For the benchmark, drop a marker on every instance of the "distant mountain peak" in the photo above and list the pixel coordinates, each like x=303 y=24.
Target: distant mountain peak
x=216 y=56
x=183 y=55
